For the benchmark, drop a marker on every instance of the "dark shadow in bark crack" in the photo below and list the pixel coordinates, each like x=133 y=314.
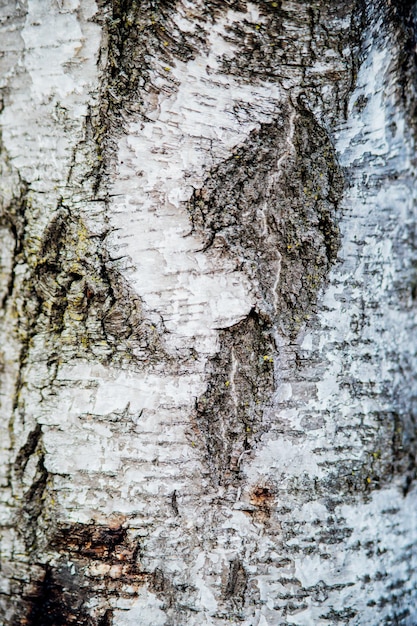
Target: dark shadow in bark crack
x=95 y=561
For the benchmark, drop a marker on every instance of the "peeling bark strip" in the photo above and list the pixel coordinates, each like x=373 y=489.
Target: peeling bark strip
x=207 y=323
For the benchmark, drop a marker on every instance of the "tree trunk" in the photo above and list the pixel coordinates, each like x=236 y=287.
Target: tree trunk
x=208 y=284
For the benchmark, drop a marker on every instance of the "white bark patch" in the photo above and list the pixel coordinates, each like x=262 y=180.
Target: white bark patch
x=83 y=411
x=60 y=63
x=146 y=611
x=191 y=127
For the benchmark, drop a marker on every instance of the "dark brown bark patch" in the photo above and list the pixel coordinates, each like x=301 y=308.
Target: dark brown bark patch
x=94 y=561
x=273 y=208
x=98 y=542
x=236 y=581
x=83 y=305
x=241 y=381
x=60 y=600
x=262 y=496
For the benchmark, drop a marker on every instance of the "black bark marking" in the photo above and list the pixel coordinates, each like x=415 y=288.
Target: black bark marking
x=273 y=207
x=107 y=619
x=27 y=450
x=339 y=617
x=174 y=503
x=240 y=384
x=61 y=596
x=61 y=600
x=237 y=581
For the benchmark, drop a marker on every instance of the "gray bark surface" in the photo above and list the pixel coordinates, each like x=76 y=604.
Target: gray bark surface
x=208 y=313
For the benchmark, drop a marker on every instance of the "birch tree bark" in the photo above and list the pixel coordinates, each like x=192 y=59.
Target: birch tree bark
x=208 y=322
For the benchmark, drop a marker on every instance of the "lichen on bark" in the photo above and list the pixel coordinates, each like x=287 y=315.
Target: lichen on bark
x=83 y=302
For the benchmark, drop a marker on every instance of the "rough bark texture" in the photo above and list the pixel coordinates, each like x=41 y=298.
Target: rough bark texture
x=208 y=313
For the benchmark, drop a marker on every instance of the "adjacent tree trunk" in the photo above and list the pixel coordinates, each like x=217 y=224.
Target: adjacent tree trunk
x=208 y=323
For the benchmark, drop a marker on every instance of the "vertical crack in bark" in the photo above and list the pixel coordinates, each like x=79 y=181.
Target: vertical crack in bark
x=27 y=450
x=32 y=488
x=237 y=581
